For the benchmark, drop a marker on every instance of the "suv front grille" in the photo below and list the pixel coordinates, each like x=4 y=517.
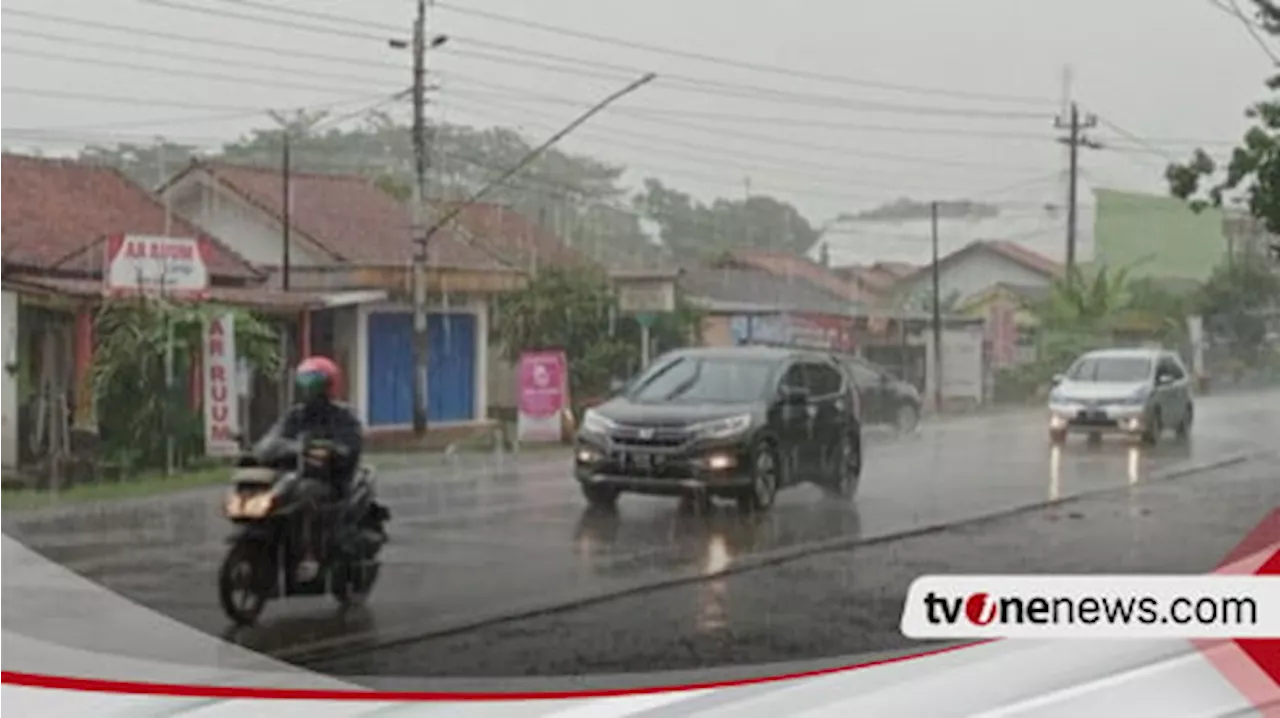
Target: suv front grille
x=649 y=437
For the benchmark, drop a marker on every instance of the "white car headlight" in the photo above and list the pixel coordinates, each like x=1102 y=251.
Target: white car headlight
x=594 y=423
x=722 y=428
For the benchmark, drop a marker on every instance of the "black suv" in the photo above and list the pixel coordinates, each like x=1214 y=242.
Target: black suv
x=885 y=398
x=737 y=423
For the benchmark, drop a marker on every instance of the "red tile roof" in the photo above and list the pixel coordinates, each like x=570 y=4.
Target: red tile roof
x=1026 y=257
x=1011 y=251
x=58 y=209
x=512 y=236
x=785 y=263
x=348 y=216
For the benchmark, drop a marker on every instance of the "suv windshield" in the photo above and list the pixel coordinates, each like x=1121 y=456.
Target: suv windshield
x=1110 y=369
x=704 y=380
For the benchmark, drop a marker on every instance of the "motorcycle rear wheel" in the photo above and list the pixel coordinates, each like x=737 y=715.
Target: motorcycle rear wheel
x=240 y=584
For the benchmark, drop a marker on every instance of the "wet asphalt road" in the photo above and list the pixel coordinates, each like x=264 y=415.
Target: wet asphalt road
x=478 y=541
x=813 y=611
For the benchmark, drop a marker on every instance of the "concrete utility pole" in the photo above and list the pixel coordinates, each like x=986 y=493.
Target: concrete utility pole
x=421 y=345
x=937 y=312
x=1075 y=125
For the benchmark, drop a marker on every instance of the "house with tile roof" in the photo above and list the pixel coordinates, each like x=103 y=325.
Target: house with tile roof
x=975 y=268
x=744 y=305
x=347 y=234
x=59 y=218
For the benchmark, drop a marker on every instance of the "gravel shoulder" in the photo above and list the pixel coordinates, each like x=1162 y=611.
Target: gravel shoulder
x=849 y=602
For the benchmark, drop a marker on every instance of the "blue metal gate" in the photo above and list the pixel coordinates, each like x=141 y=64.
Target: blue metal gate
x=451 y=373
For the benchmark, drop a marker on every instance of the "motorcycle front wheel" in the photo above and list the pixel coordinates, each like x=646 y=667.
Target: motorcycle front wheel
x=241 y=583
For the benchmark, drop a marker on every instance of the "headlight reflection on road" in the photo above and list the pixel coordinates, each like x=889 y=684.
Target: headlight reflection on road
x=1055 y=473
x=1135 y=464
x=713 y=612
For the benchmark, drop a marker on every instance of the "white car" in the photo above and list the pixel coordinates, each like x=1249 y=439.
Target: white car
x=1136 y=392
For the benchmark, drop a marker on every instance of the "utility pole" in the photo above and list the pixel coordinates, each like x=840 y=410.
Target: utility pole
x=286 y=170
x=300 y=122
x=1075 y=125
x=937 y=312
x=170 y=374
x=421 y=237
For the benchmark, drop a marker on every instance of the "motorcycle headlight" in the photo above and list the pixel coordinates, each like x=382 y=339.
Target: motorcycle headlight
x=259 y=505
x=723 y=428
x=594 y=423
x=250 y=507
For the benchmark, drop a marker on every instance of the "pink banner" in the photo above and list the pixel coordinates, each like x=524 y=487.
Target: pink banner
x=543 y=383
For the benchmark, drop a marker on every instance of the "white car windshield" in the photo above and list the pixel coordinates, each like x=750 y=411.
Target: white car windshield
x=1110 y=369
x=699 y=380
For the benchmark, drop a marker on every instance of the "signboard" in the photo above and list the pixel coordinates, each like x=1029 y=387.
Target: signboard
x=962 y=363
x=828 y=333
x=542 y=393
x=221 y=391
x=156 y=265
x=646 y=296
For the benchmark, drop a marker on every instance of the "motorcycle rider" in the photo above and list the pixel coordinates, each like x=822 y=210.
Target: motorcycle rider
x=329 y=469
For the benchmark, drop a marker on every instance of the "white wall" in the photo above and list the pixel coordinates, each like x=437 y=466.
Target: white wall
x=360 y=382
x=963 y=373
x=973 y=274
x=252 y=233
x=9 y=351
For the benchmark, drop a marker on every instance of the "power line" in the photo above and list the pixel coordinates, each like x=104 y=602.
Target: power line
x=665 y=115
x=193 y=39
x=1253 y=32
x=217 y=77
x=724 y=88
x=742 y=64
x=82 y=42
x=621 y=42
x=201 y=119
x=1137 y=139
x=694 y=85
x=126 y=99
x=781 y=141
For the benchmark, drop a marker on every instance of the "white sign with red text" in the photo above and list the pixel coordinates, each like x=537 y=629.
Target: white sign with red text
x=156 y=265
x=221 y=393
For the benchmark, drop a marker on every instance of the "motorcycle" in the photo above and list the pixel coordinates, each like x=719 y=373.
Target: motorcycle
x=271 y=533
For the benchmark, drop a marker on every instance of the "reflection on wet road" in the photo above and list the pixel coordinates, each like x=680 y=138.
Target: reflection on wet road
x=469 y=545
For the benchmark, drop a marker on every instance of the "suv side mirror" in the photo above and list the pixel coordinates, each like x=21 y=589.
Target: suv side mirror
x=617 y=385
x=1164 y=379
x=1057 y=379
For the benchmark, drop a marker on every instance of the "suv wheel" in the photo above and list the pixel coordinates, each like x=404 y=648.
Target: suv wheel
x=600 y=497
x=1154 y=428
x=1184 y=427
x=849 y=471
x=764 y=480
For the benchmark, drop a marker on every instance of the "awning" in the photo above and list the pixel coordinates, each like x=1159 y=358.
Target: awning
x=249 y=297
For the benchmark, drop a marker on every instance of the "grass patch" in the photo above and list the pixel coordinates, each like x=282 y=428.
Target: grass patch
x=143 y=486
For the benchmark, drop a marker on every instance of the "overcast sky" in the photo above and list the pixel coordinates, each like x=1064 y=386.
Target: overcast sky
x=1172 y=72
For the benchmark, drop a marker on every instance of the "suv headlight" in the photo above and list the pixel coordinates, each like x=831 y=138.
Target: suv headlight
x=722 y=428
x=594 y=423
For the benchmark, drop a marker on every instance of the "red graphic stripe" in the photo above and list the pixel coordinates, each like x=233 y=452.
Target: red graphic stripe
x=98 y=685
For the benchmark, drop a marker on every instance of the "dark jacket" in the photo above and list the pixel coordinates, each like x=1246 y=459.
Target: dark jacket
x=332 y=422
